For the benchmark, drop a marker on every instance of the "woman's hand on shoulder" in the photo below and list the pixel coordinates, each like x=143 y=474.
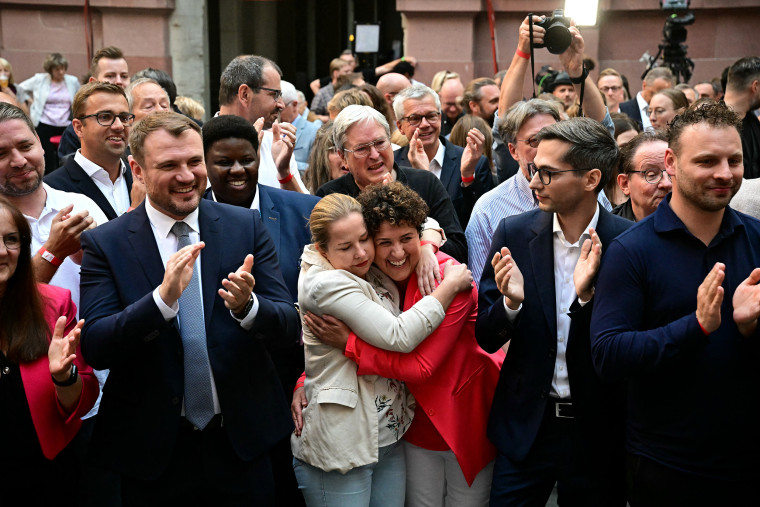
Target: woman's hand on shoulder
x=457 y=275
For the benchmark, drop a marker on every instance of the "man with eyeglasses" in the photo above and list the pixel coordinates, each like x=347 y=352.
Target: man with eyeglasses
x=451 y=94
x=552 y=420
x=250 y=88
x=611 y=85
x=642 y=175
x=101 y=121
x=464 y=172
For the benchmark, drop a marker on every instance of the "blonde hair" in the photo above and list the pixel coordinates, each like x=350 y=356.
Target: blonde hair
x=441 y=77
x=326 y=212
x=343 y=99
x=190 y=107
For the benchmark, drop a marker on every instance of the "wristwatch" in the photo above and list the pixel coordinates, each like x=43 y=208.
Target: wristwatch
x=581 y=78
x=245 y=310
x=69 y=381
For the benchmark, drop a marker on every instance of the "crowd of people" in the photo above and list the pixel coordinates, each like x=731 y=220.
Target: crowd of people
x=404 y=295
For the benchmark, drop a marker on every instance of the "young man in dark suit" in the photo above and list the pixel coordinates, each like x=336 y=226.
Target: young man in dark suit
x=552 y=420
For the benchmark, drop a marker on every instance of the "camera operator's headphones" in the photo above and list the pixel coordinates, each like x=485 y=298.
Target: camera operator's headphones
x=579 y=80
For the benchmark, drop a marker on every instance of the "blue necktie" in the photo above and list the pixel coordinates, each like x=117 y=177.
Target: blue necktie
x=199 y=403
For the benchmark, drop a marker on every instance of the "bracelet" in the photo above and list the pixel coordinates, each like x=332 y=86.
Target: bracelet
x=426 y=242
x=48 y=256
x=285 y=179
x=581 y=78
x=522 y=54
x=403 y=58
x=298 y=386
x=69 y=381
x=468 y=179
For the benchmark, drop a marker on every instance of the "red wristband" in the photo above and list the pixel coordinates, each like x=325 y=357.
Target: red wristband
x=703 y=328
x=426 y=242
x=469 y=179
x=522 y=54
x=285 y=179
x=48 y=256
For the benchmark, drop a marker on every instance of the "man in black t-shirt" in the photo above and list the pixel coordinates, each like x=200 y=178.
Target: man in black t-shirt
x=743 y=96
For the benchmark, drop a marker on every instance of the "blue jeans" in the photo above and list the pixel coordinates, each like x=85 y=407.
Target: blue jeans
x=380 y=484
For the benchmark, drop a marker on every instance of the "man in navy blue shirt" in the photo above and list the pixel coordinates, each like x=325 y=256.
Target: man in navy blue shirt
x=675 y=314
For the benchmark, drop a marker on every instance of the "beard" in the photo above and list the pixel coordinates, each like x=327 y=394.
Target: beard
x=8 y=188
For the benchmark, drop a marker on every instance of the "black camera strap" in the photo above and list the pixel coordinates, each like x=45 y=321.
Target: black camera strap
x=532 y=59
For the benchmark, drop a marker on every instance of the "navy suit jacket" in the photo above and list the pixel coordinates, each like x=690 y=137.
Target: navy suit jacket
x=631 y=108
x=526 y=376
x=463 y=198
x=70 y=177
x=125 y=332
x=286 y=216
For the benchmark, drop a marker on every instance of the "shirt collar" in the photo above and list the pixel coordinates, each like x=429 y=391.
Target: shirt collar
x=91 y=168
x=164 y=223
x=666 y=220
x=439 y=154
x=55 y=200
x=254 y=203
x=557 y=230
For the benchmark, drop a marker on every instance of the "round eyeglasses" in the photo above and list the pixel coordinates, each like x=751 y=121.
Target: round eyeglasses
x=12 y=241
x=653 y=176
x=363 y=150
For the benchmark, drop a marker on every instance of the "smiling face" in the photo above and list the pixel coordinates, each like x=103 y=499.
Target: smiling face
x=451 y=97
x=103 y=145
x=397 y=250
x=428 y=132
x=373 y=168
x=349 y=248
x=262 y=103
x=233 y=169
x=709 y=169
x=112 y=71
x=488 y=103
x=8 y=258
x=173 y=171
x=22 y=160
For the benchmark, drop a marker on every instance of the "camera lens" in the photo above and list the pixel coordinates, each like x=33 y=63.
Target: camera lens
x=557 y=38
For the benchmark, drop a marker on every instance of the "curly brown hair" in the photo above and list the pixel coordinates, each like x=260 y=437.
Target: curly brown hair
x=716 y=115
x=394 y=203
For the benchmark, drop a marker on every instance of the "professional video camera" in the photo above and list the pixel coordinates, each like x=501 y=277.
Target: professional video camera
x=673 y=49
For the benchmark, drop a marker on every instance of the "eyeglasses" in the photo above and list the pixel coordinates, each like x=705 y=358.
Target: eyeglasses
x=12 y=241
x=363 y=150
x=545 y=175
x=277 y=93
x=605 y=89
x=532 y=141
x=415 y=119
x=653 y=176
x=106 y=118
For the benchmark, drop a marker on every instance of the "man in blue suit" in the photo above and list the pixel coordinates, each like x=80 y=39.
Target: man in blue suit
x=552 y=419
x=463 y=171
x=179 y=311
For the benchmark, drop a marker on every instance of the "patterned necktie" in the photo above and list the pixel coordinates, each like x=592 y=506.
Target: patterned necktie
x=199 y=403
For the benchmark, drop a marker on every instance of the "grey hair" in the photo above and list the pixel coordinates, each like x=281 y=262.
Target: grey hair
x=289 y=93
x=520 y=113
x=659 y=73
x=11 y=112
x=417 y=92
x=352 y=115
x=591 y=145
x=301 y=96
x=243 y=70
x=137 y=83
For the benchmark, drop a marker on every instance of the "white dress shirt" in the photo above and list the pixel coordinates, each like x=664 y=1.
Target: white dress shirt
x=644 y=109
x=116 y=192
x=167 y=245
x=436 y=165
x=268 y=174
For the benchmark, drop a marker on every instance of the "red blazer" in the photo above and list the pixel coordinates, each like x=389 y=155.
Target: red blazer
x=54 y=426
x=451 y=377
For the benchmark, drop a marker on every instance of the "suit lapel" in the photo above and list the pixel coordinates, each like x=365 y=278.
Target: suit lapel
x=144 y=248
x=211 y=255
x=269 y=216
x=450 y=168
x=542 y=262
x=89 y=188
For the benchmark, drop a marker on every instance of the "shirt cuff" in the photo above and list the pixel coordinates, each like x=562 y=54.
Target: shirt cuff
x=168 y=312
x=511 y=314
x=247 y=321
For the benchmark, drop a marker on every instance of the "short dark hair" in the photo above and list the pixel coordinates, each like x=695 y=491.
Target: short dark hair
x=714 y=114
x=743 y=72
x=162 y=78
x=243 y=70
x=474 y=91
x=629 y=149
x=394 y=203
x=591 y=145
x=54 y=60
x=109 y=53
x=86 y=91
x=228 y=126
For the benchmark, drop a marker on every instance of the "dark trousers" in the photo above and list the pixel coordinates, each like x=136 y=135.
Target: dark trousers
x=97 y=486
x=651 y=484
x=204 y=470
x=557 y=456
x=45 y=132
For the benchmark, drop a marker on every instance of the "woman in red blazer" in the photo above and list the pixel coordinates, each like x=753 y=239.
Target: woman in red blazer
x=45 y=388
x=453 y=380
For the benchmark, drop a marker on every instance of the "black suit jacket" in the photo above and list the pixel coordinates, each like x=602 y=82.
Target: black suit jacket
x=631 y=108
x=125 y=332
x=71 y=178
x=463 y=198
x=432 y=192
x=526 y=377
